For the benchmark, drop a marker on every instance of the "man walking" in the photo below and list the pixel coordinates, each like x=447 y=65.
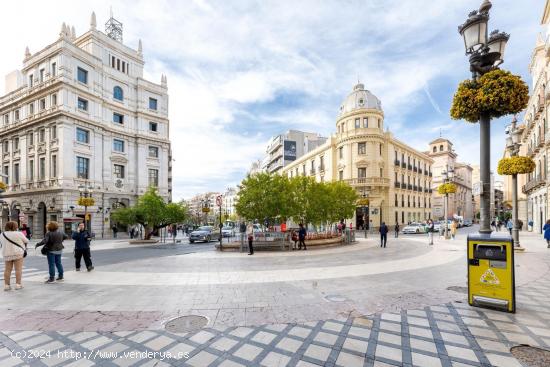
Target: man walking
x=250 y=235
x=396 y=230
x=510 y=226
x=302 y=237
x=430 y=230
x=115 y=230
x=383 y=234
x=82 y=247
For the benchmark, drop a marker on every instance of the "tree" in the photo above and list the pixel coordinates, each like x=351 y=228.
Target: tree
x=344 y=201
x=152 y=212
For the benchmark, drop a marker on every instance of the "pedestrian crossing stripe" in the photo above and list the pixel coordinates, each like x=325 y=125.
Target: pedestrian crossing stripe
x=26 y=271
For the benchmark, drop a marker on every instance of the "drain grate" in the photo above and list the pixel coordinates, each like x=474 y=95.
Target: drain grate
x=186 y=324
x=458 y=289
x=531 y=356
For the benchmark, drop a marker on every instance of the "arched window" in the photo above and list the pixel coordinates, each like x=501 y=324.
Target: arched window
x=117 y=93
x=435 y=149
x=441 y=148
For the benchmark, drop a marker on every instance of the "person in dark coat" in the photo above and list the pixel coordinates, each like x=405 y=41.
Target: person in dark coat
x=396 y=230
x=302 y=237
x=82 y=240
x=546 y=230
x=53 y=242
x=383 y=234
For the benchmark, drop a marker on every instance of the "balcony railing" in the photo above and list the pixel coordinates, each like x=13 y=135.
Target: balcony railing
x=397 y=163
x=430 y=174
x=426 y=172
x=410 y=187
x=403 y=185
x=397 y=185
x=414 y=188
x=403 y=165
x=312 y=171
x=409 y=167
x=371 y=181
x=533 y=184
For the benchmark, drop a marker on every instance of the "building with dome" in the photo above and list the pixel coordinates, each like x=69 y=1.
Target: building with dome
x=392 y=179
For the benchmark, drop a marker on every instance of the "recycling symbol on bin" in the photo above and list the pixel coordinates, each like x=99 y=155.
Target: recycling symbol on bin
x=489 y=277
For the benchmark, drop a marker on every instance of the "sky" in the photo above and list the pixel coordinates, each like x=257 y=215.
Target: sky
x=242 y=71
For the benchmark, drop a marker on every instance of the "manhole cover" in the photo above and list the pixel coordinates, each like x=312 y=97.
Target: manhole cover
x=531 y=356
x=458 y=289
x=336 y=298
x=186 y=324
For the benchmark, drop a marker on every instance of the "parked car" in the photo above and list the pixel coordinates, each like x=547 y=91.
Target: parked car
x=414 y=228
x=437 y=226
x=204 y=234
x=228 y=232
x=467 y=223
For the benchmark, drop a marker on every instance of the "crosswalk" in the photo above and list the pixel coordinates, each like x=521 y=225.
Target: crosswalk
x=27 y=271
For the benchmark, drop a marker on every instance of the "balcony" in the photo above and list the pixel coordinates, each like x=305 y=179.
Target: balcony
x=397 y=163
x=530 y=152
x=415 y=188
x=409 y=187
x=321 y=168
x=425 y=173
x=431 y=191
x=541 y=141
x=403 y=186
x=369 y=181
x=533 y=184
x=409 y=167
x=312 y=172
x=430 y=174
x=397 y=185
x=403 y=165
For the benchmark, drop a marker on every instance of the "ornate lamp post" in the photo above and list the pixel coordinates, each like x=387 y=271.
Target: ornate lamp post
x=513 y=145
x=86 y=200
x=448 y=174
x=486 y=53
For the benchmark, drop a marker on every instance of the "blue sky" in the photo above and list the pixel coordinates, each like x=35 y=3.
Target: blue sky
x=242 y=71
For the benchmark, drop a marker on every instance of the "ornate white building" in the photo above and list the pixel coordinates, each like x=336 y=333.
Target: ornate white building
x=79 y=113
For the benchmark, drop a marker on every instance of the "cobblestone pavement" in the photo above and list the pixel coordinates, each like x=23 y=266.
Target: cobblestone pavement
x=399 y=329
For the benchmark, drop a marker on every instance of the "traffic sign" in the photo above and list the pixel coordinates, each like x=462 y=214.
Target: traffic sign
x=219 y=200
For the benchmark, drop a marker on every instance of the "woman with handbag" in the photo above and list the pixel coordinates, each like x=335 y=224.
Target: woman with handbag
x=53 y=247
x=14 y=249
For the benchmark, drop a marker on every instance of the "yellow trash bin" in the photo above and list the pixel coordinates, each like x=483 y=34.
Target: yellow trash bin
x=491 y=281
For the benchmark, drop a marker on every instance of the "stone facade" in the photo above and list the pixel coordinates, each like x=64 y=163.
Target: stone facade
x=393 y=178
x=80 y=113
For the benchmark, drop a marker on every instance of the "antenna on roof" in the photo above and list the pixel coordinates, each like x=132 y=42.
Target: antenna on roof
x=440 y=134
x=113 y=28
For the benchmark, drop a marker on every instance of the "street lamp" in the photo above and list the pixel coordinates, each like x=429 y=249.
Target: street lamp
x=486 y=53
x=513 y=145
x=86 y=191
x=448 y=177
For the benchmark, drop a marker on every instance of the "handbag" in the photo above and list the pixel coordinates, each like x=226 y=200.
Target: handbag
x=16 y=244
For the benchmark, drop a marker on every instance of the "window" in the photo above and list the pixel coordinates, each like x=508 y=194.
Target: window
x=119 y=171
x=435 y=149
x=6 y=146
x=153 y=152
x=82 y=75
x=15 y=144
x=381 y=172
x=42 y=104
x=82 y=104
x=54 y=100
x=31 y=170
x=42 y=168
x=16 y=173
x=118 y=64
x=54 y=69
x=362 y=172
x=118 y=118
x=41 y=75
x=118 y=145
x=153 y=126
x=82 y=167
x=124 y=67
x=82 y=136
x=380 y=148
x=378 y=123
x=53 y=167
x=357 y=123
x=441 y=148
x=365 y=122
x=16 y=115
x=6 y=119
x=340 y=175
x=31 y=108
x=118 y=94
x=53 y=132
x=30 y=81
x=152 y=104
x=361 y=148
x=153 y=177
x=341 y=152
x=31 y=139
x=6 y=175
x=41 y=135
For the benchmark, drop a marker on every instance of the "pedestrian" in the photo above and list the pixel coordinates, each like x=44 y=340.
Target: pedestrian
x=115 y=230
x=493 y=224
x=14 y=250
x=499 y=224
x=530 y=224
x=430 y=229
x=383 y=234
x=453 y=229
x=302 y=237
x=396 y=230
x=510 y=226
x=132 y=232
x=546 y=230
x=53 y=244
x=82 y=240
x=294 y=237
x=26 y=231
x=250 y=235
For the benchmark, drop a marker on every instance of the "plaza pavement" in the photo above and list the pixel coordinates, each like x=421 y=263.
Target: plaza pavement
x=357 y=305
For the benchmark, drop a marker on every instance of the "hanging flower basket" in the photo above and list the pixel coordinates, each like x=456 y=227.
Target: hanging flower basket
x=83 y=201
x=515 y=166
x=446 y=188
x=497 y=93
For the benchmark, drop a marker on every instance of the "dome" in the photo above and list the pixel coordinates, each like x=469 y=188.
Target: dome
x=360 y=98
